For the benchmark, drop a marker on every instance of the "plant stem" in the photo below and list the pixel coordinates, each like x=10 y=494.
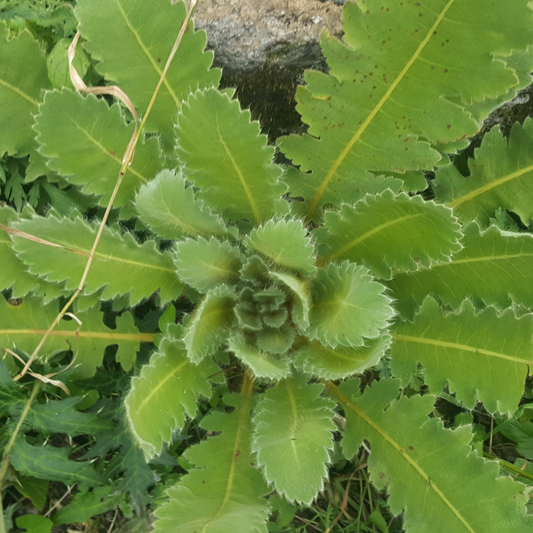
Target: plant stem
x=509 y=466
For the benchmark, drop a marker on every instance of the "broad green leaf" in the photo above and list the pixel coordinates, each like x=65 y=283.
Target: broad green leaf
x=169 y=208
x=285 y=242
x=223 y=494
x=227 y=157
x=390 y=232
x=340 y=362
x=121 y=265
x=53 y=464
x=57 y=64
x=205 y=264
x=84 y=140
x=430 y=472
x=166 y=391
x=293 y=437
x=262 y=364
x=22 y=327
x=493 y=266
x=209 y=325
x=388 y=89
x=133 y=40
x=22 y=76
x=501 y=175
x=34 y=523
x=484 y=356
x=34 y=489
x=348 y=306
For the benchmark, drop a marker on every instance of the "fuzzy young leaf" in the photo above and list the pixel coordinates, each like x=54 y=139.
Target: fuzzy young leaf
x=387 y=92
x=483 y=356
x=501 y=175
x=209 y=325
x=169 y=208
x=22 y=76
x=342 y=361
x=390 y=232
x=284 y=242
x=228 y=159
x=275 y=340
x=492 y=266
x=293 y=437
x=348 y=306
x=404 y=455
x=205 y=264
x=84 y=140
x=121 y=33
x=224 y=493
x=167 y=390
x=121 y=265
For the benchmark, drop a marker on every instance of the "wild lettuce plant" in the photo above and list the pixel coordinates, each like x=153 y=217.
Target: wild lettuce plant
x=301 y=278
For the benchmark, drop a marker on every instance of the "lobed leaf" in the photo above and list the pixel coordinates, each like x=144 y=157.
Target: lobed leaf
x=394 y=85
x=166 y=391
x=227 y=157
x=293 y=437
x=484 y=356
x=390 y=232
x=348 y=306
x=121 y=266
x=122 y=34
x=420 y=461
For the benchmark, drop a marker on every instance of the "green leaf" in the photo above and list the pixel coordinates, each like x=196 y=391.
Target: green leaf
x=121 y=265
x=484 y=356
x=293 y=437
x=132 y=42
x=501 y=175
x=388 y=89
x=285 y=242
x=390 y=232
x=262 y=364
x=491 y=267
x=169 y=208
x=420 y=461
x=34 y=489
x=205 y=264
x=340 y=362
x=22 y=327
x=57 y=64
x=227 y=157
x=166 y=391
x=223 y=494
x=84 y=140
x=209 y=325
x=34 y=523
x=275 y=340
x=348 y=306
x=22 y=76
x=53 y=464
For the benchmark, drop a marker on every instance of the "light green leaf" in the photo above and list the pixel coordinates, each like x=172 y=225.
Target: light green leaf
x=22 y=76
x=386 y=95
x=84 y=140
x=209 y=325
x=491 y=267
x=275 y=340
x=132 y=42
x=57 y=64
x=390 y=232
x=223 y=494
x=340 y=362
x=227 y=157
x=22 y=327
x=34 y=523
x=121 y=265
x=166 y=391
x=169 y=208
x=501 y=175
x=286 y=243
x=348 y=306
x=293 y=437
x=205 y=264
x=263 y=364
x=417 y=460
x=483 y=356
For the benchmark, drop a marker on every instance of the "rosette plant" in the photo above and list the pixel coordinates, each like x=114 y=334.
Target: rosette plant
x=303 y=277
